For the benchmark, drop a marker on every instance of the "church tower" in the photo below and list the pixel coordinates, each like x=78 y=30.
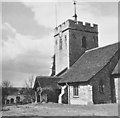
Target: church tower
x=72 y=39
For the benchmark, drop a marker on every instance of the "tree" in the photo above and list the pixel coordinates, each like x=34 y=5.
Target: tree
x=6 y=85
x=29 y=92
x=29 y=83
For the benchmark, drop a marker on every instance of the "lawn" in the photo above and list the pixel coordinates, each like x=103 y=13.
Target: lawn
x=52 y=109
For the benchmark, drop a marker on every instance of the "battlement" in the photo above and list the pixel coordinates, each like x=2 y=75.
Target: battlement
x=71 y=24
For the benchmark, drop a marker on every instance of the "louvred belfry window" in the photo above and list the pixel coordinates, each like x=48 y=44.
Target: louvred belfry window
x=60 y=40
x=60 y=44
x=65 y=40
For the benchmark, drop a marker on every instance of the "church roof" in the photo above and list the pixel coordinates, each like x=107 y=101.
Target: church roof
x=47 y=81
x=89 y=64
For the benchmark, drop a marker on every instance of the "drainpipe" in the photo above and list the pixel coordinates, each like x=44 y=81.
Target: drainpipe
x=61 y=94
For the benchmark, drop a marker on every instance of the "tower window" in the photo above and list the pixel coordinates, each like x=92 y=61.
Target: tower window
x=95 y=38
x=84 y=42
x=60 y=44
x=75 y=91
x=74 y=37
x=65 y=40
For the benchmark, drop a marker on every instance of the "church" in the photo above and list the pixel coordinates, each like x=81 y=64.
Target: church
x=82 y=72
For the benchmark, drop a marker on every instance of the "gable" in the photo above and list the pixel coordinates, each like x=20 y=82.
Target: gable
x=46 y=81
x=117 y=70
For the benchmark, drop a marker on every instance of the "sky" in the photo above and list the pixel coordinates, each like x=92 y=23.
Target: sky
x=28 y=33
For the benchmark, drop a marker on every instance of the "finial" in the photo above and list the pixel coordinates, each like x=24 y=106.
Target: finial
x=75 y=15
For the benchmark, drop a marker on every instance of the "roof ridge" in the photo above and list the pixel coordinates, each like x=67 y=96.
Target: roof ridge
x=90 y=63
x=101 y=47
x=47 y=77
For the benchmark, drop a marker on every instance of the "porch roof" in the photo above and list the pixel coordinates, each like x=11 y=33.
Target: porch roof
x=47 y=81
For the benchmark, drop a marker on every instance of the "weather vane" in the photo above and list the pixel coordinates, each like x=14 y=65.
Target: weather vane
x=75 y=15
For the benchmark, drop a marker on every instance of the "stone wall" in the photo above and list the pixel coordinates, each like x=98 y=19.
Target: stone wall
x=84 y=96
x=105 y=76
x=75 y=44
x=61 y=55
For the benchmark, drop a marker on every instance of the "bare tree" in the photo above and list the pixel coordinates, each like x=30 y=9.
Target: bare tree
x=29 y=83
x=29 y=92
x=6 y=85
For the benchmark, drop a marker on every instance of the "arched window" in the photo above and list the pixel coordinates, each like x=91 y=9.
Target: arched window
x=60 y=39
x=65 y=40
x=60 y=44
x=95 y=38
x=101 y=86
x=84 y=42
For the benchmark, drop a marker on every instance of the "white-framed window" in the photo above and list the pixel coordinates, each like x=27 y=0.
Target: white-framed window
x=75 y=91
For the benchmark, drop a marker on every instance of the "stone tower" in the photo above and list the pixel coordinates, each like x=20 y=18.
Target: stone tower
x=72 y=39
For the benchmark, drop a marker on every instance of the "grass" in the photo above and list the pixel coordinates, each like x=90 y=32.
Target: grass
x=52 y=109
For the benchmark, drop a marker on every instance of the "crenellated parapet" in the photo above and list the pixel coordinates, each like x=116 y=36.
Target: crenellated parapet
x=73 y=25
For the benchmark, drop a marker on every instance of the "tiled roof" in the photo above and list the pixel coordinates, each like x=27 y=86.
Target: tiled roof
x=89 y=64
x=47 y=81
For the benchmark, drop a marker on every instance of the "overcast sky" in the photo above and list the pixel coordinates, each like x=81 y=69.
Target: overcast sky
x=27 y=33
